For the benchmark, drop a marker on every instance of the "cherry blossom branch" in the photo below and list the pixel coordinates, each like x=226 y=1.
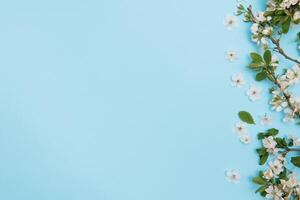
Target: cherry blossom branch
x=278 y=49
x=276 y=42
x=286 y=95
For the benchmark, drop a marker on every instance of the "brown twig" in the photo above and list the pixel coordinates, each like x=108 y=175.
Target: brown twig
x=278 y=48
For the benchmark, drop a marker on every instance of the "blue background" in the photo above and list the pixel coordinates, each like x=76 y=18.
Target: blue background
x=123 y=100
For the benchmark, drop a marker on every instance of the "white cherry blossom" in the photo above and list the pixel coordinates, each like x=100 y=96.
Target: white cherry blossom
x=237 y=80
x=254 y=93
x=233 y=176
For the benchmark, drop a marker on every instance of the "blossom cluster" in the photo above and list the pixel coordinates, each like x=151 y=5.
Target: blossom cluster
x=276 y=181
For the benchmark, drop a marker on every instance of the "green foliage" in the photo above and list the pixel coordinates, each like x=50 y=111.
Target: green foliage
x=246 y=117
x=296 y=161
x=261 y=76
x=269 y=132
x=267 y=57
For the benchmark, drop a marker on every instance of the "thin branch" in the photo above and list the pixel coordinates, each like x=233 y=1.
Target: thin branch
x=278 y=48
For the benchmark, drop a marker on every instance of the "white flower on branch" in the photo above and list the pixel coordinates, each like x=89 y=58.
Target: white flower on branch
x=254 y=93
x=273 y=192
x=296 y=16
x=270 y=144
x=233 y=176
x=288 y=3
x=289 y=115
x=293 y=75
x=278 y=102
x=290 y=183
x=260 y=16
x=267 y=31
x=237 y=80
x=268 y=174
x=296 y=103
x=255 y=28
x=230 y=22
x=276 y=166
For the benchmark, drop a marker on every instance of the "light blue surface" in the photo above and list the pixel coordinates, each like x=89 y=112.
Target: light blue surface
x=122 y=100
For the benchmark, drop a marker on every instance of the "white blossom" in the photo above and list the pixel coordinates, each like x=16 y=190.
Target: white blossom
x=230 y=22
x=290 y=183
x=267 y=31
x=288 y=3
x=240 y=128
x=233 y=176
x=255 y=28
x=276 y=166
x=266 y=120
x=231 y=56
x=278 y=102
x=270 y=144
x=296 y=16
x=254 y=93
x=260 y=17
x=245 y=138
x=268 y=174
x=273 y=192
x=289 y=115
x=237 y=80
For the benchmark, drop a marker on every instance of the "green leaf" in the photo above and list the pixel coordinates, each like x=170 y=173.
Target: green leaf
x=246 y=117
x=256 y=65
x=261 y=189
x=256 y=58
x=286 y=25
x=261 y=136
x=263 y=159
x=272 y=131
x=261 y=76
x=268 y=56
x=296 y=161
x=258 y=180
x=281 y=142
x=261 y=151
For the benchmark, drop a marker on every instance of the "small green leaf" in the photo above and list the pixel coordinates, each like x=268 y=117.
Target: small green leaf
x=281 y=142
x=272 y=131
x=286 y=25
x=261 y=151
x=246 y=117
x=296 y=161
x=258 y=180
x=268 y=56
x=256 y=65
x=256 y=58
x=261 y=76
x=263 y=159
x=261 y=189
x=261 y=136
